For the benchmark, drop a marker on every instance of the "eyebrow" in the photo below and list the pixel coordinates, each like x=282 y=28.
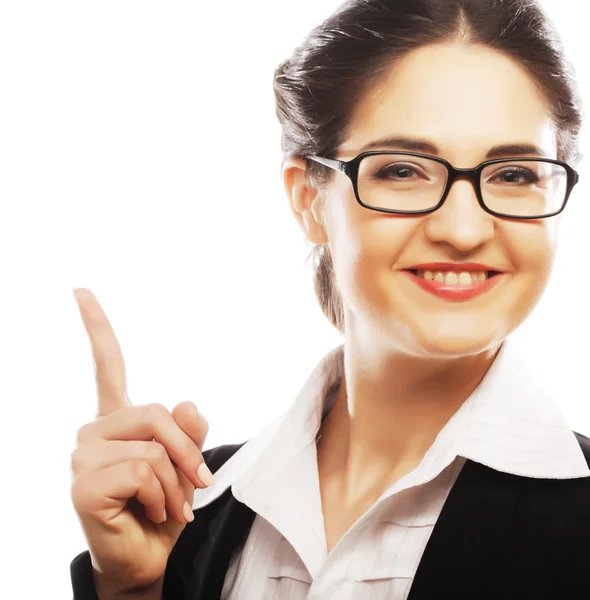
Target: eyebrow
x=412 y=144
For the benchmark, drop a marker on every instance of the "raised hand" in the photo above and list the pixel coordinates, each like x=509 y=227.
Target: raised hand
x=134 y=470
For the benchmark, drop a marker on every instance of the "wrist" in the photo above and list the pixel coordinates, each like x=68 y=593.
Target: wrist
x=107 y=590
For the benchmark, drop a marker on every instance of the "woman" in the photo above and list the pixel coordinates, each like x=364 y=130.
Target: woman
x=429 y=153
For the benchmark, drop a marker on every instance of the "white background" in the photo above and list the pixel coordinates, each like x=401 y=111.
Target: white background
x=115 y=118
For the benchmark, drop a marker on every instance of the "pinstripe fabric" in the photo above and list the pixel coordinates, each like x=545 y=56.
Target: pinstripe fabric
x=509 y=423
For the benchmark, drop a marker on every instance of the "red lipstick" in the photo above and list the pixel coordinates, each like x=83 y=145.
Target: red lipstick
x=457 y=293
x=456 y=267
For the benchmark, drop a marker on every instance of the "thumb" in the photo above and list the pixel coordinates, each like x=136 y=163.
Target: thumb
x=194 y=424
x=187 y=417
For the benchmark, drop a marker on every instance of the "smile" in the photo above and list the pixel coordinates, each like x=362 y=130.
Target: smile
x=454 y=285
x=454 y=277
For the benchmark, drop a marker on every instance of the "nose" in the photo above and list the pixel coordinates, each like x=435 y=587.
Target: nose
x=460 y=222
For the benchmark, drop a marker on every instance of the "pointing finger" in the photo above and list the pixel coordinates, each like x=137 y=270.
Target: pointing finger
x=111 y=380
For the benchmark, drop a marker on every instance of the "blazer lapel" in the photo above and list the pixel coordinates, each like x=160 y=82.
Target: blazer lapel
x=467 y=534
x=226 y=532
x=200 y=558
x=455 y=562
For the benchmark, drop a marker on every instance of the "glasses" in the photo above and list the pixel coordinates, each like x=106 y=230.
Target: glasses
x=412 y=183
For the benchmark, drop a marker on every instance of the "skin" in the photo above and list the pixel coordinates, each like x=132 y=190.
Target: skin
x=412 y=359
x=127 y=457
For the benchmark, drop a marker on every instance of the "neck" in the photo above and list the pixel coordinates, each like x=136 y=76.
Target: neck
x=388 y=411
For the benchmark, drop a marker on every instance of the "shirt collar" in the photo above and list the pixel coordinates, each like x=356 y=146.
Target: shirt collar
x=510 y=423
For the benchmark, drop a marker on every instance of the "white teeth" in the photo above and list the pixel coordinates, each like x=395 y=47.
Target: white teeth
x=454 y=278
x=465 y=278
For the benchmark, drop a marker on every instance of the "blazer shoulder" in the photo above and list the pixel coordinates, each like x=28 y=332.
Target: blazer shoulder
x=217 y=456
x=584 y=442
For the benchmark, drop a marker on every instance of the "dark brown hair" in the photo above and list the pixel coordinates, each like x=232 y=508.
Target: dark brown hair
x=318 y=87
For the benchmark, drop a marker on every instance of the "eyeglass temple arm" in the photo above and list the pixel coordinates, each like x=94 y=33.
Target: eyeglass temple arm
x=337 y=165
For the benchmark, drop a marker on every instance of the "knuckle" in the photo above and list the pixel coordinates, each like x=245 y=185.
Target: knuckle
x=156 y=412
x=142 y=472
x=190 y=403
x=198 y=412
x=155 y=452
x=83 y=433
x=76 y=461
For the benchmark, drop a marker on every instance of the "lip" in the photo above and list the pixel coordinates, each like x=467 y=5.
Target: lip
x=457 y=267
x=455 y=293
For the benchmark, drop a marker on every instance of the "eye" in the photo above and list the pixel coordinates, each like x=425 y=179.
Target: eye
x=514 y=175
x=398 y=171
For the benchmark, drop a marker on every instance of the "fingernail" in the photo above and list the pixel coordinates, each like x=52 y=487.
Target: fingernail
x=80 y=293
x=164 y=516
x=205 y=475
x=187 y=511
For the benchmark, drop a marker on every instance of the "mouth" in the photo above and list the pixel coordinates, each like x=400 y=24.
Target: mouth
x=454 y=285
x=454 y=278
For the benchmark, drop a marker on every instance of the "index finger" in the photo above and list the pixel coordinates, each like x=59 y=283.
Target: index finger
x=109 y=366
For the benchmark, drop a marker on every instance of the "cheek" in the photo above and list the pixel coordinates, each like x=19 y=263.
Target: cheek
x=530 y=247
x=368 y=249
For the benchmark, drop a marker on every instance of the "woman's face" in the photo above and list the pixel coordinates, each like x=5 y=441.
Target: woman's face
x=464 y=100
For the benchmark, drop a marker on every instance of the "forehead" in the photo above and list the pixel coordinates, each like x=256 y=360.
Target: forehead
x=465 y=99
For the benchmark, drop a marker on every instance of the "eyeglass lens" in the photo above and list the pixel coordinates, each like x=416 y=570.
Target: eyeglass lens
x=520 y=187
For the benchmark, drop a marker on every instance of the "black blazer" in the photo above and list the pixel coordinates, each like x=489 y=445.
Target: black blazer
x=499 y=537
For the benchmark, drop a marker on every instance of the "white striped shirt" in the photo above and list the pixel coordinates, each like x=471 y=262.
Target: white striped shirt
x=508 y=423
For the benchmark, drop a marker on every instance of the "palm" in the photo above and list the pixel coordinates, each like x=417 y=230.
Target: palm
x=148 y=544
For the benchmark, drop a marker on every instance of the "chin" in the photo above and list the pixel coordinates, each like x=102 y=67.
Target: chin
x=457 y=347
x=453 y=340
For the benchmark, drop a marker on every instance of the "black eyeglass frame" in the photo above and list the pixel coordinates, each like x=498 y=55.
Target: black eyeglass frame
x=351 y=168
